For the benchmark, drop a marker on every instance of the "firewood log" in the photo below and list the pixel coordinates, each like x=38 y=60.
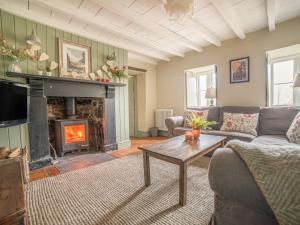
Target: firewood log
x=15 y=153
x=4 y=152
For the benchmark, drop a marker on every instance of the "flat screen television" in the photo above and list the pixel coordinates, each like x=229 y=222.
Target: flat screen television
x=14 y=104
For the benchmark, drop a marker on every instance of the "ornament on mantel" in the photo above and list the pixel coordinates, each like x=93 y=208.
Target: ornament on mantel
x=92 y=76
x=31 y=52
x=99 y=73
x=111 y=68
x=43 y=57
x=34 y=41
x=53 y=65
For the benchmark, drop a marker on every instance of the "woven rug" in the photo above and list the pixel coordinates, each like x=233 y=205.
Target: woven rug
x=113 y=193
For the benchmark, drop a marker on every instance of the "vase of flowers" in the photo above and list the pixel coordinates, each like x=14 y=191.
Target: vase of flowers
x=13 y=55
x=198 y=123
x=112 y=70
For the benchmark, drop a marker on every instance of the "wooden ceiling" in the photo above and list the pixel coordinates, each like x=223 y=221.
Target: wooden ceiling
x=143 y=28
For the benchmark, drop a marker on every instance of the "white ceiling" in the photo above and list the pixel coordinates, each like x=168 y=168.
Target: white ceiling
x=143 y=28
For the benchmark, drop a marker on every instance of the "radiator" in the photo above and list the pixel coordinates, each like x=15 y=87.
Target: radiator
x=160 y=116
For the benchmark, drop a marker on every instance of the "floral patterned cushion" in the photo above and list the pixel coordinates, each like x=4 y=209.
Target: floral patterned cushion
x=239 y=122
x=293 y=133
x=188 y=114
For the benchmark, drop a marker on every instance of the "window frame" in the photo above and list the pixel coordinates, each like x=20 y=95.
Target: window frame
x=270 y=69
x=202 y=71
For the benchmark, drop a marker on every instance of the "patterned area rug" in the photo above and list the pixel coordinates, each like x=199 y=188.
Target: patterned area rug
x=113 y=193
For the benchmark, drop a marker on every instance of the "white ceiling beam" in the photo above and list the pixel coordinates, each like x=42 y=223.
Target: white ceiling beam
x=142 y=58
x=109 y=39
x=229 y=15
x=88 y=18
x=270 y=5
x=129 y=14
x=204 y=32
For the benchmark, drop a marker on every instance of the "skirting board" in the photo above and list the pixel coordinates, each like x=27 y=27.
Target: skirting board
x=124 y=144
x=142 y=134
x=163 y=133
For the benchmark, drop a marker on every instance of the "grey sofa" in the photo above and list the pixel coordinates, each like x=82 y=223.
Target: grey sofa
x=238 y=200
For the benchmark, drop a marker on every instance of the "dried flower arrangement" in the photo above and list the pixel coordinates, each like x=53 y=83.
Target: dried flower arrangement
x=12 y=53
x=111 y=69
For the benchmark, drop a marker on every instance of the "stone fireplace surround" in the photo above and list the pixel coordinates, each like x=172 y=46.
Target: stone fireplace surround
x=43 y=87
x=84 y=109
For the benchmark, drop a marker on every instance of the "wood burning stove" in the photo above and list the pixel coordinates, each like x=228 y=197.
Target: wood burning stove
x=70 y=135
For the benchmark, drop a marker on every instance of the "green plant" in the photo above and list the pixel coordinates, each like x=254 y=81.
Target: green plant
x=197 y=122
x=48 y=69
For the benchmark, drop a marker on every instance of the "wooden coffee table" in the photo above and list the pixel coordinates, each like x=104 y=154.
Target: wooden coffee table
x=178 y=151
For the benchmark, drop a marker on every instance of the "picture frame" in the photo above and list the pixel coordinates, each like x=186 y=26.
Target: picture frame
x=239 y=70
x=74 y=59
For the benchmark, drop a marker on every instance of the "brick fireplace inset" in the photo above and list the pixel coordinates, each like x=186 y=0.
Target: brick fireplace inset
x=71 y=135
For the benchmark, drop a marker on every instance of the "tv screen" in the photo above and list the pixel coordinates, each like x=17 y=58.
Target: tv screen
x=13 y=103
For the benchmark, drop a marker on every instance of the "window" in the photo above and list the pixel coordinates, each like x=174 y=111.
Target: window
x=197 y=82
x=282 y=68
x=283 y=77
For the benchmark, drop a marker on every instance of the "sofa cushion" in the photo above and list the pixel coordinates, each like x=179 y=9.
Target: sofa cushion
x=240 y=122
x=293 y=133
x=276 y=120
x=213 y=114
x=231 y=135
x=273 y=140
x=236 y=109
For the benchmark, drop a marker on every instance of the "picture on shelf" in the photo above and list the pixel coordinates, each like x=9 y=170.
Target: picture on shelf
x=74 y=59
x=239 y=70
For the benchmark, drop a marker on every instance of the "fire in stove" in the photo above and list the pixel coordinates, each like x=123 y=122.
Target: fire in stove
x=70 y=135
x=74 y=133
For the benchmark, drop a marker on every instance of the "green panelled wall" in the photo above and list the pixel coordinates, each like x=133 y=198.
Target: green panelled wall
x=16 y=29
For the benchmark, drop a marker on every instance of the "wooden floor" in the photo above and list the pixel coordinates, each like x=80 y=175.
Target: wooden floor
x=135 y=143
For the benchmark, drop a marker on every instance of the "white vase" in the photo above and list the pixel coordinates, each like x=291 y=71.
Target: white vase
x=15 y=67
x=48 y=73
x=40 y=72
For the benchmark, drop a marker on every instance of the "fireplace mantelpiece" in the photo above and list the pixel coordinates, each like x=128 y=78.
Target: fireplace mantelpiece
x=42 y=87
x=73 y=80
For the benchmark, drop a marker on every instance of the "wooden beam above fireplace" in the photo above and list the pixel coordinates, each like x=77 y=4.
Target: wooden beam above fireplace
x=54 y=78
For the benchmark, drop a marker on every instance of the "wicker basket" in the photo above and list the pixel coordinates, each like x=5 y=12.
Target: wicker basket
x=23 y=159
x=25 y=166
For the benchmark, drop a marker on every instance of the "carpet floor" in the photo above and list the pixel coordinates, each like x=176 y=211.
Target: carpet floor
x=113 y=193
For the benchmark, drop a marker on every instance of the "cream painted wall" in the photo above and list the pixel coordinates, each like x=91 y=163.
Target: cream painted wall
x=170 y=75
x=146 y=94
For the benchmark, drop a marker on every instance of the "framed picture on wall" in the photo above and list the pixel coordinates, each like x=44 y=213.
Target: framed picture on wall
x=74 y=60
x=239 y=70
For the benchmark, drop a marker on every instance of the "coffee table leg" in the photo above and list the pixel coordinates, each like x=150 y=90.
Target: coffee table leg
x=146 y=168
x=182 y=184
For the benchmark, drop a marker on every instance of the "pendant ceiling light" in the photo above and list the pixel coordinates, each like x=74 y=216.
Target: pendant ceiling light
x=34 y=41
x=179 y=9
